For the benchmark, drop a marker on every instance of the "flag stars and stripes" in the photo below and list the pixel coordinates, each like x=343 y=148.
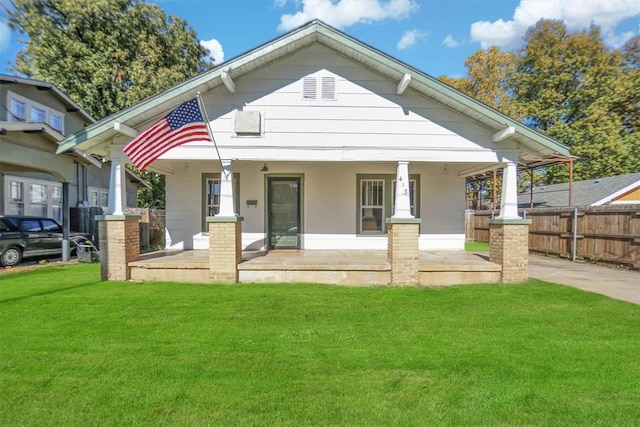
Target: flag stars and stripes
x=182 y=125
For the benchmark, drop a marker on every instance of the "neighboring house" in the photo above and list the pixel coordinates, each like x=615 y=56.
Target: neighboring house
x=318 y=130
x=620 y=189
x=35 y=117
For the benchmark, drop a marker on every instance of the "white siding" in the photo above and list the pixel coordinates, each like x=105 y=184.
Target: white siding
x=366 y=116
x=329 y=204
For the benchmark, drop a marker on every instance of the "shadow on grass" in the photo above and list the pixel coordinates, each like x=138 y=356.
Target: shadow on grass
x=47 y=292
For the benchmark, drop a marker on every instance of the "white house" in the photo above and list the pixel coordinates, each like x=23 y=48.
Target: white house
x=326 y=138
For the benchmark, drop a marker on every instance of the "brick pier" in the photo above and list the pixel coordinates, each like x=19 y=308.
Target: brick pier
x=225 y=248
x=509 y=247
x=119 y=237
x=402 y=250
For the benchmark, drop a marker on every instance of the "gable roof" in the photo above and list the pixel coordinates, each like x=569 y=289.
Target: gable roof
x=591 y=192
x=535 y=146
x=71 y=106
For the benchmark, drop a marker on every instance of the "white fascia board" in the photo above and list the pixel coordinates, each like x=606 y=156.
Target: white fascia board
x=618 y=193
x=335 y=154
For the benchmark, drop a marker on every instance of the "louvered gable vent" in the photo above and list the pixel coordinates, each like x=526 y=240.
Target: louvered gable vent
x=309 y=88
x=326 y=89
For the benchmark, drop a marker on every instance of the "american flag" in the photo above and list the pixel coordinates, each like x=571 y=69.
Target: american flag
x=182 y=125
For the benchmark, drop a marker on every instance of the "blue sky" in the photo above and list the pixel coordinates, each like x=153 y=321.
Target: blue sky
x=435 y=36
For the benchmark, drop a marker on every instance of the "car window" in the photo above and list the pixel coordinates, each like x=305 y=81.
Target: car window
x=51 y=225
x=30 y=225
x=6 y=226
x=12 y=221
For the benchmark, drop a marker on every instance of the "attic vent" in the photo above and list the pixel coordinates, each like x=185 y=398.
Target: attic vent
x=309 y=88
x=325 y=87
x=328 y=88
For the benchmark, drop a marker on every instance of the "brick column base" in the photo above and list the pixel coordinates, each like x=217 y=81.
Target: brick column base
x=402 y=250
x=119 y=237
x=509 y=247
x=225 y=248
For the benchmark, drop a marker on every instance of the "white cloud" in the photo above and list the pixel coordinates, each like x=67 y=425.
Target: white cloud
x=575 y=14
x=449 y=41
x=5 y=36
x=344 y=13
x=409 y=38
x=215 y=50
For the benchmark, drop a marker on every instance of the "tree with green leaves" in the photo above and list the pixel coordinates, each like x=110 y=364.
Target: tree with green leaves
x=488 y=72
x=106 y=55
x=573 y=88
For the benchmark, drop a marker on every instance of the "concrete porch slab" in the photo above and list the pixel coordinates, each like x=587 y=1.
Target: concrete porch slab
x=353 y=268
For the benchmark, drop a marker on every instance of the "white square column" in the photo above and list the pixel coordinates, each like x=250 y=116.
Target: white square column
x=227 y=208
x=509 y=201
x=117 y=183
x=403 y=196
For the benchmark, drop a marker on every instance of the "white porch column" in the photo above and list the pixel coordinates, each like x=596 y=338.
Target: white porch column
x=509 y=201
x=403 y=198
x=227 y=207
x=117 y=183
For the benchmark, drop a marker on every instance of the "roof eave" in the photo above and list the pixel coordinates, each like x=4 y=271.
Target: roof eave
x=380 y=61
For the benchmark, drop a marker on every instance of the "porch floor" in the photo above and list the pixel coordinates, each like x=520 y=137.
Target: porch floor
x=332 y=267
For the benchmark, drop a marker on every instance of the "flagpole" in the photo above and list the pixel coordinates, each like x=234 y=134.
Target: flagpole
x=206 y=123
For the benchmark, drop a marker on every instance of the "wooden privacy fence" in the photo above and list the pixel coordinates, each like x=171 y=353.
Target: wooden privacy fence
x=598 y=233
x=152 y=225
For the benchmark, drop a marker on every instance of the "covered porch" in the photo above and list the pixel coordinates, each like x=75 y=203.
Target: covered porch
x=340 y=267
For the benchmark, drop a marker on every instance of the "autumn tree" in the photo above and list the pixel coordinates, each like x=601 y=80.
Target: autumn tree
x=106 y=55
x=488 y=73
x=573 y=88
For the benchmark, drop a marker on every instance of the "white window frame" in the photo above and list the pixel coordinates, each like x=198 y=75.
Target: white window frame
x=388 y=181
x=29 y=107
x=366 y=202
x=98 y=197
x=17 y=116
x=26 y=203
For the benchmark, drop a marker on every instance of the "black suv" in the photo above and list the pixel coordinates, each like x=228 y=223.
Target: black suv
x=30 y=236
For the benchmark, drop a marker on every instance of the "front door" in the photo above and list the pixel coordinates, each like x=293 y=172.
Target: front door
x=283 y=212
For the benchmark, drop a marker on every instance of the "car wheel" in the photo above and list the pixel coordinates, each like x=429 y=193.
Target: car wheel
x=11 y=257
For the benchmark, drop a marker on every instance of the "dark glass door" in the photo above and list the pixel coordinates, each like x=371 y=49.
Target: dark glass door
x=283 y=212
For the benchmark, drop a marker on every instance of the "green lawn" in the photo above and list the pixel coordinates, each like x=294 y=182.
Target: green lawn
x=77 y=351
x=476 y=246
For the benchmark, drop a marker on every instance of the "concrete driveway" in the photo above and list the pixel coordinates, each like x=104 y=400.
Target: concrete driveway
x=619 y=284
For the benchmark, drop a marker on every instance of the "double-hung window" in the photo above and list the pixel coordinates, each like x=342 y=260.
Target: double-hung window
x=38 y=115
x=16 y=198
x=23 y=109
x=376 y=201
x=372 y=205
x=211 y=195
x=39 y=200
x=18 y=109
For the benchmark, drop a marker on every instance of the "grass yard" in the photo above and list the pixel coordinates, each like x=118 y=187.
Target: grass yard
x=476 y=246
x=77 y=351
